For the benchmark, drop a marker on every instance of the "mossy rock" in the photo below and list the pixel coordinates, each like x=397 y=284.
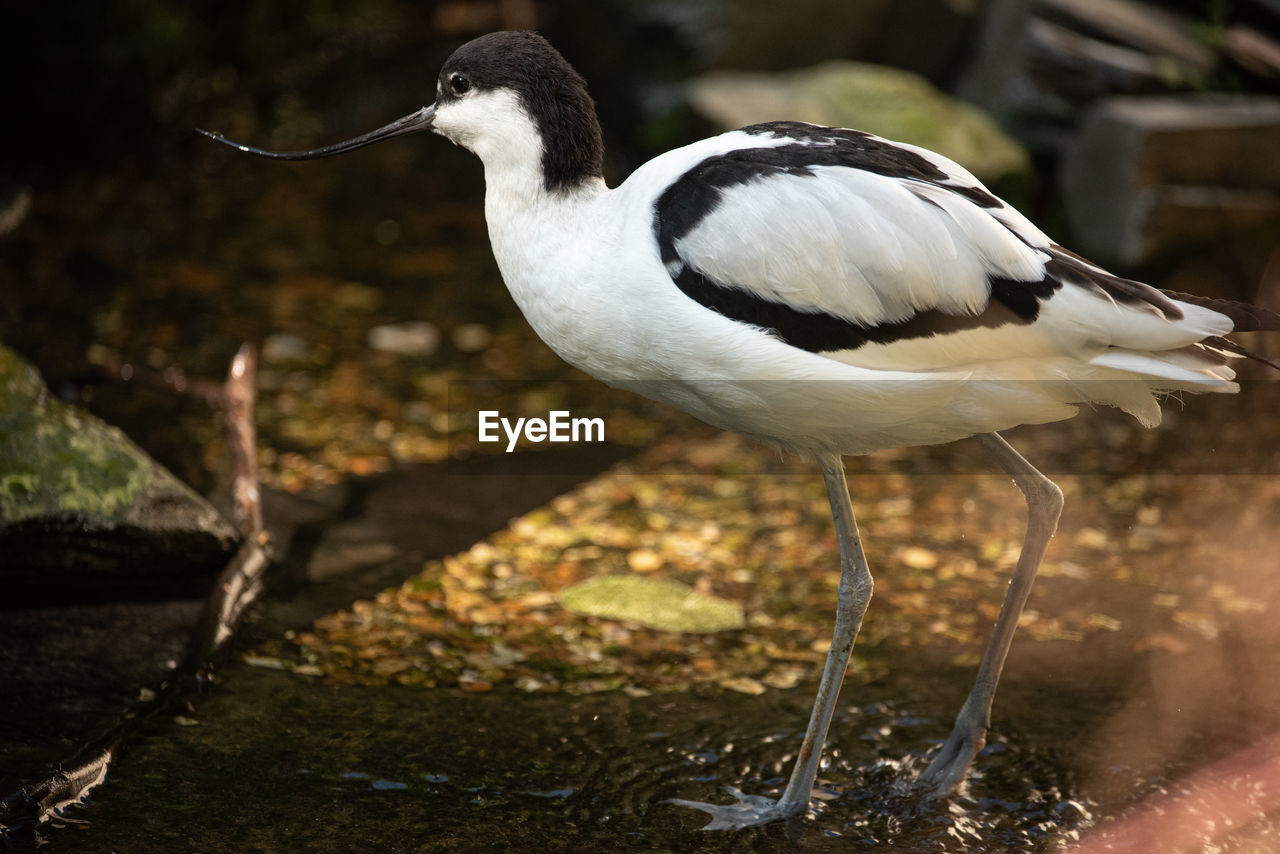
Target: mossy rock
x=887 y=102
x=81 y=505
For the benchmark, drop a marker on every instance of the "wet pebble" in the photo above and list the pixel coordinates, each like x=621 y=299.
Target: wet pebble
x=284 y=347
x=387 y=232
x=472 y=337
x=415 y=338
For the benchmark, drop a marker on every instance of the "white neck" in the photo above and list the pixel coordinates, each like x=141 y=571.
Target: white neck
x=537 y=236
x=496 y=127
x=541 y=242
x=534 y=233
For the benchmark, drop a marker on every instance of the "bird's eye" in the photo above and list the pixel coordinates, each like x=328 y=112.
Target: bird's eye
x=459 y=84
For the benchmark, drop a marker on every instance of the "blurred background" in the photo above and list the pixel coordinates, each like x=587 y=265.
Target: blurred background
x=136 y=257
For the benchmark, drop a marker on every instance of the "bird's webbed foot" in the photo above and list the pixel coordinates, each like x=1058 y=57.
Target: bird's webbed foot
x=749 y=811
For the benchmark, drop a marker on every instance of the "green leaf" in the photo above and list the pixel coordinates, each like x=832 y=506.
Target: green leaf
x=654 y=602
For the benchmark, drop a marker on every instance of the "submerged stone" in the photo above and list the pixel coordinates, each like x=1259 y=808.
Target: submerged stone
x=82 y=505
x=655 y=602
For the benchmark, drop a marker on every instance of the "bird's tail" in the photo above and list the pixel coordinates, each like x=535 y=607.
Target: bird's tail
x=1244 y=316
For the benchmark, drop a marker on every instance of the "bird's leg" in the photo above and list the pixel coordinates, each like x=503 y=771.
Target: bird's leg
x=853 y=595
x=1044 y=505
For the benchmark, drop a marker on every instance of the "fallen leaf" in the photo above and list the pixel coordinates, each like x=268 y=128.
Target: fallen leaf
x=743 y=685
x=655 y=602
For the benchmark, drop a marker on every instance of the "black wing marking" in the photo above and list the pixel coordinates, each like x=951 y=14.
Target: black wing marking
x=819 y=332
x=802 y=147
x=1068 y=267
x=695 y=194
x=826 y=146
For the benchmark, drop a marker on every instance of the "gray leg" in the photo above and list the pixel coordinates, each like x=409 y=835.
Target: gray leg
x=1044 y=505
x=853 y=595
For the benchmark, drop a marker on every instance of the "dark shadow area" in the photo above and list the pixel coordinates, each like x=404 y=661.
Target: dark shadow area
x=72 y=668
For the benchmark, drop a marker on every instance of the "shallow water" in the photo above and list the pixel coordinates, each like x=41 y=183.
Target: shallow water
x=1083 y=732
x=276 y=762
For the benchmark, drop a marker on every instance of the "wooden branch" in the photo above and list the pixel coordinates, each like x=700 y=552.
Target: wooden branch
x=241 y=582
x=243 y=439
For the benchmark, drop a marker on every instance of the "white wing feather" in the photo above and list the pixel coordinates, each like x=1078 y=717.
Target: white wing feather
x=875 y=249
x=857 y=245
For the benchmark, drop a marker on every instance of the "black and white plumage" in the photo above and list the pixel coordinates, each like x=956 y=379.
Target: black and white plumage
x=888 y=258
x=819 y=289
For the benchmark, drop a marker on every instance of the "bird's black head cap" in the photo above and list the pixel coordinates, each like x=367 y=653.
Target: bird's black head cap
x=550 y=90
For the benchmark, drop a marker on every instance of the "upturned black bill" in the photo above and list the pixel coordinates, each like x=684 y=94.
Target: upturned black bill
x=412 y=123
